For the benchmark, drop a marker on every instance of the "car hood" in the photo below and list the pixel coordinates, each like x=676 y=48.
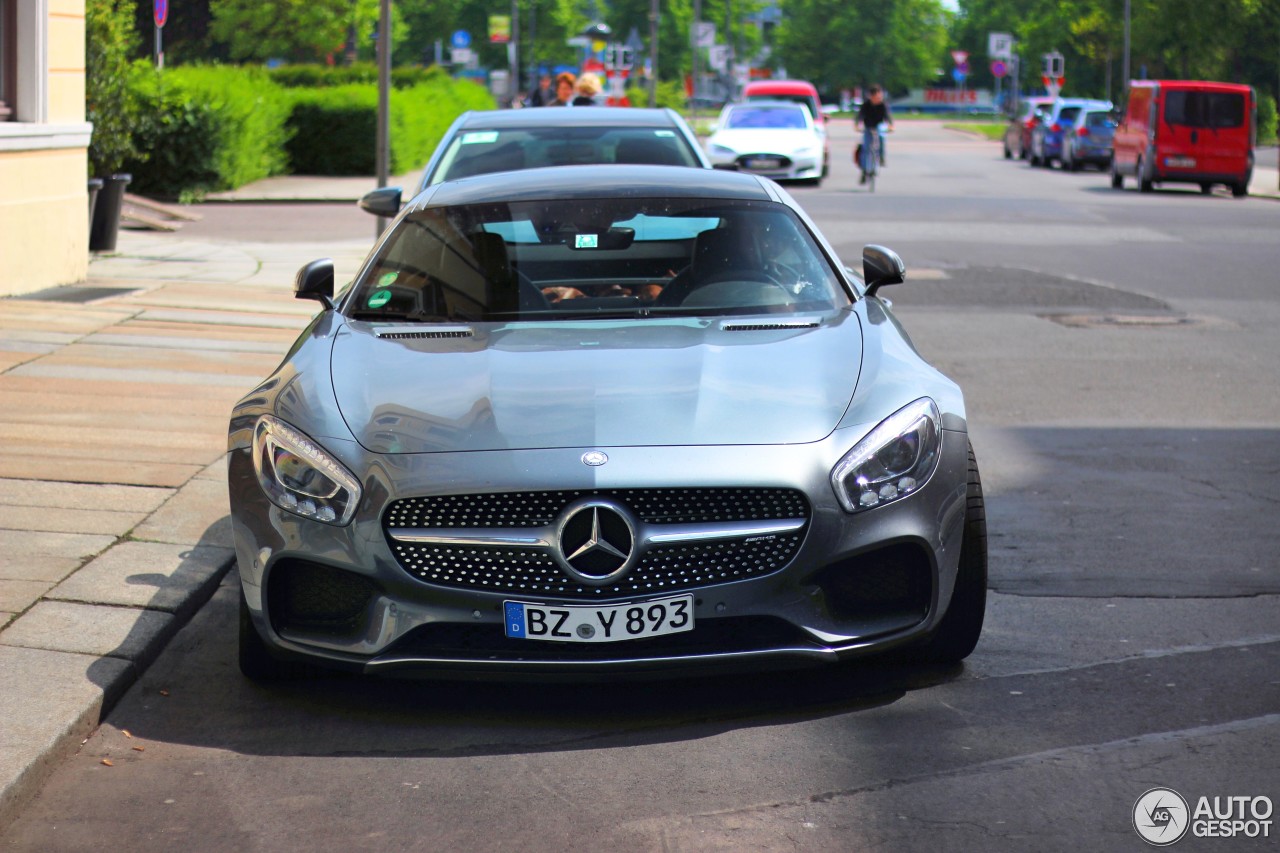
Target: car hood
x=596 y=383
x=781 y=141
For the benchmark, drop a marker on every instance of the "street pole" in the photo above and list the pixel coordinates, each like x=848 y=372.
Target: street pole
x=693 y=45
x=1124 y=82
x=383 y=154
x=653 y=53
x=515 y=50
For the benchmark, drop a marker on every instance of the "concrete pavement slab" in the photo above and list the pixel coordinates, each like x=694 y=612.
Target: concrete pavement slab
x=44 y=556
x=89 y=470
x=126 y=633
x=17 y=596
x=49 y=701
x=226 y=318
x=145 y=327
x=120 y=632
x=197 y=514
x=80 y=495
x=216 y=471
x=70 y=520
x=154 y=575
x=161 y=377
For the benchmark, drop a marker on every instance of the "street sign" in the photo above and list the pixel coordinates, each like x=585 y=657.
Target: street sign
x=999 y=46
x=958 y=75
x=499 y=29
x=999 y=69
x=960 y=57
x=461 y=55
x=460 y=39
x=718 y=57
x=1054 y=64
x=704 y=34
x=160 y=12
x=963 y=67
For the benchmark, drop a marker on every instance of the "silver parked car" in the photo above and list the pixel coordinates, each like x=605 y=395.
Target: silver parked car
x=598 y=420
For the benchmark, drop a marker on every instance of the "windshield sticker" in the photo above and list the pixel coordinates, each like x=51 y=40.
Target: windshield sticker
x=479 y=137
x=586 y=241
x=379 y=298
x=664 y=133
x=387 y=279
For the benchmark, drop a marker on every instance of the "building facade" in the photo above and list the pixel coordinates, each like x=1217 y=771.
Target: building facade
x=44 y=141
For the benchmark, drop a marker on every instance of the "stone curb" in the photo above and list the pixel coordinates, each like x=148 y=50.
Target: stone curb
x=67 y=660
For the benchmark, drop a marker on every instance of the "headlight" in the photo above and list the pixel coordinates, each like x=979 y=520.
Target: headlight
x=893 y=460
x=722 y=150
x=300 y=477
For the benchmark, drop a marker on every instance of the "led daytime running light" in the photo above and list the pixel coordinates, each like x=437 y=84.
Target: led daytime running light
x=273 y=439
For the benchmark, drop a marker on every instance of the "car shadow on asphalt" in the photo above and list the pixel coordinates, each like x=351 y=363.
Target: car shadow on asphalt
x=194 y=694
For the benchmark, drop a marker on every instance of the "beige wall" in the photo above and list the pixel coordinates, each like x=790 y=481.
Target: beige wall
x=44 y=229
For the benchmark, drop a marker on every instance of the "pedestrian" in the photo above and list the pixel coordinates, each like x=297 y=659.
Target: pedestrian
x=542 y=95
x=565 y=81
x=586 y=90
x=873 y=113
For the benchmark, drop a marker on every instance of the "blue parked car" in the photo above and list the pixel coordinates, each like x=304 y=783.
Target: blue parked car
x=1046 y=137
x=1090 y=140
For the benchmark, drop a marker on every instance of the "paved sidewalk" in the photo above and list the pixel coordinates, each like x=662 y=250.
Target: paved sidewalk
x=113 y=502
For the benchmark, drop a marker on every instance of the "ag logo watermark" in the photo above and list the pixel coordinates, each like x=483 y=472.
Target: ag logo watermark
x=1162 y=816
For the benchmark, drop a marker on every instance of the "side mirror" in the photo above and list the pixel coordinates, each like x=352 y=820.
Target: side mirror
x=881 y=266
x=381 y=202
x=315 y=281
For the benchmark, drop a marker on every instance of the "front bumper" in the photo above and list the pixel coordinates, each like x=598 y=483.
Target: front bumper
x=856 y=584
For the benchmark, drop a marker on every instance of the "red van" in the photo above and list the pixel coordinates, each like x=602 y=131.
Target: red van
x=1186 y=131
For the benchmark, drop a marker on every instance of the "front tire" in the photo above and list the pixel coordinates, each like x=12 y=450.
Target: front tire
x=1117 y=179
x=1144 y=183
x=961 y=625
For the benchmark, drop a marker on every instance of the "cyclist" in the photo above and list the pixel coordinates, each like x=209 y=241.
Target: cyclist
x=871 y=115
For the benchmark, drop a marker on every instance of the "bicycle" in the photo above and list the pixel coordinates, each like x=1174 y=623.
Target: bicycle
x=869 y=161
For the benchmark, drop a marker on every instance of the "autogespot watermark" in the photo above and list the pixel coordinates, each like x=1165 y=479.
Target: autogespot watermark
x=1162 y=817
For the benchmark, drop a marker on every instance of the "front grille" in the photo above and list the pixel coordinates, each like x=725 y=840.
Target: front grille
x=663 y=569
x=709 y=636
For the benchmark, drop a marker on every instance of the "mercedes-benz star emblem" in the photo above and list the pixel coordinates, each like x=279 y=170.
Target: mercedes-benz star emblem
x=595 y=541
x=595 y=458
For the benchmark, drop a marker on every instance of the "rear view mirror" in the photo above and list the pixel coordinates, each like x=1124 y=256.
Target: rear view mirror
x=381 y=202
x=881 y=266
x=315 y=281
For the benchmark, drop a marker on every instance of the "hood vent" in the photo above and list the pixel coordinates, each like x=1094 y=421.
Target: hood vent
x=405 y=333
x=768 y=327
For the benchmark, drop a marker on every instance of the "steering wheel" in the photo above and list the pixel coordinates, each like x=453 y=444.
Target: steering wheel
x=783 y=272
x=742 y=275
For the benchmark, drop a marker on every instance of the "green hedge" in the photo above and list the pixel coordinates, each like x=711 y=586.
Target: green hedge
x=1266 y=119
x=316 y=76
x=207 y=128
x=333 y=128
x=670 y=94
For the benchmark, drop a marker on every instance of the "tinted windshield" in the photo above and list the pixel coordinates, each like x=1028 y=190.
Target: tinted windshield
x=806 y=100
x=765 y=117
x=1094 y=120
x=1204 y=109
x=479 y=152
x=1068 y=115
x=584 y=259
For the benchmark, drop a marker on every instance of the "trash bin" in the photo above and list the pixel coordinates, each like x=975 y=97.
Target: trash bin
x=95 y=185
x=106 y=214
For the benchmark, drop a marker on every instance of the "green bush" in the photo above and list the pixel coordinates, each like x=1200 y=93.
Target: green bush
x=208 y=128
x=109 y=102
x=1266 y=119
x=334 y=128
x=670 y=94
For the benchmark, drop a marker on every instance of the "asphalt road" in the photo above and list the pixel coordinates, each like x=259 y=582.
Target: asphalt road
x=1120 y=362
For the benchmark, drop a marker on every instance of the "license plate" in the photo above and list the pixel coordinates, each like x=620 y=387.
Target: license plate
x=573 y=623
x=764 y=163
x=1180 y=162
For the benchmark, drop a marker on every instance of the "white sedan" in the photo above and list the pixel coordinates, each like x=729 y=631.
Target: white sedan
x=775 y=139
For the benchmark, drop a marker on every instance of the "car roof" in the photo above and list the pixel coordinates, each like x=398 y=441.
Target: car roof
x=790 y=87
x=791 y=105
x=566 y=116
x=596 y=181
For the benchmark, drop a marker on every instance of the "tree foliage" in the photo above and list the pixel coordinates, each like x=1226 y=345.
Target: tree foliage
x=844 y=43
x=295 y=30
x=109 y=102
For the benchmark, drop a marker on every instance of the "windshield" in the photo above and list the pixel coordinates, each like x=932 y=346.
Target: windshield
x=1204 y=109
x=1068 y=115
x=806 y=100
x=788 y=118
x=479 y=152
x=596 y=258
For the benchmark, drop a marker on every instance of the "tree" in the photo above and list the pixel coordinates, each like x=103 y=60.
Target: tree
x=839 y=43
x=295 y=30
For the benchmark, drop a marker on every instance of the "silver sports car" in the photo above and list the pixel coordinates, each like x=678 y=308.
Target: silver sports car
x=589 y=420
